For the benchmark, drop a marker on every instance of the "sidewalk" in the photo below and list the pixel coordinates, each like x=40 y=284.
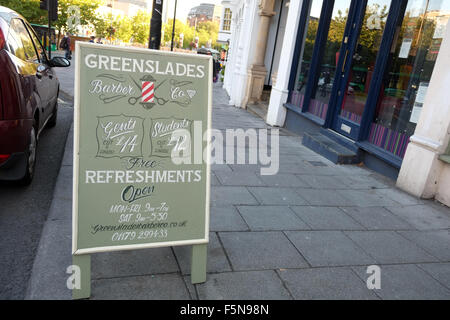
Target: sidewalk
x=307 y=233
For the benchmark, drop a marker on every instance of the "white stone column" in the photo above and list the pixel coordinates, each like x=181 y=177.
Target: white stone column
x=276 y=114
x=235 y=34
x=422 y=172
x=245 y=48
x=257 y=71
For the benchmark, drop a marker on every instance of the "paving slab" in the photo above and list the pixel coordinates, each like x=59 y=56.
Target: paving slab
x=260 y=251
x=294 y=168
x=277 y=196
x=133 y=263
x=366 y=198
x=61 y=209
x=399 y=196
x=155 y=287
x=283 y=180
x=388 y=247
x=49 y=278
x=255 y=168
x=326 y=284
x=271 y=218
x=226 y=219
x=239 y=178
x=317 y=197
x=407 y=282
x=423 y=217
x=253 y=285
x=63 y=187
x=217 y=261
x=439 y=271
x=324 y=182
x=214 y=180
x=435 y=242
x=328 y=248
x=222 y=196
x=221 y=168
x=190 y=287
x=326 y=218
x=364 y=182
x=377 y=218
x=68 y=155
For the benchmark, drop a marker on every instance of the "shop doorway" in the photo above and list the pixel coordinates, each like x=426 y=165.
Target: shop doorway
x=342 y=39
x=357 y=60
x=362 y=69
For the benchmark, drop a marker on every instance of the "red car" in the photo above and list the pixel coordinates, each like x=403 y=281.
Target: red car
x=28 y=96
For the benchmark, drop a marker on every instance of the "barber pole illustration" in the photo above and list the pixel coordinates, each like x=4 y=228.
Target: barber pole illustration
x=148 y=92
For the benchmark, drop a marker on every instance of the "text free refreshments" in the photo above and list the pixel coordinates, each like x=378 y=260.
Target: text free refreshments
x=142 y=176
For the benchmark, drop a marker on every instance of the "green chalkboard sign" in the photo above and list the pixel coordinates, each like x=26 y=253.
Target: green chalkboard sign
x=140 y=180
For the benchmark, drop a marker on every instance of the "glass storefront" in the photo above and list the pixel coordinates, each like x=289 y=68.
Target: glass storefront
x=364 y=59
x=312 y=24
x=322 y=88
x=411 y=62
x=365 y=67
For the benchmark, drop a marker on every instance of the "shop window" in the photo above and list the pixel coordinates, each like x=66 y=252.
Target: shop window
x=321 y=92
x=301 y=79
x=405 y=82
x=364 y=60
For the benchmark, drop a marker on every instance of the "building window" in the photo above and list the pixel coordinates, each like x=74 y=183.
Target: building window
x=405 y=82
x=227 y=20
x=304 y=64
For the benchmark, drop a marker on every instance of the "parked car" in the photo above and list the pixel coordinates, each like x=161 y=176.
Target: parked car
x=29 y=92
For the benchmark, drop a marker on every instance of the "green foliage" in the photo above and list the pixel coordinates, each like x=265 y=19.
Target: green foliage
x=205 y=31
x=27 y=8
x=140 y=27
x=102 y=25
x=88 y=15
x=128 y=29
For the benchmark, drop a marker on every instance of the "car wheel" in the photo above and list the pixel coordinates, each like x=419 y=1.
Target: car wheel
x=31 y=157
x=52 y=121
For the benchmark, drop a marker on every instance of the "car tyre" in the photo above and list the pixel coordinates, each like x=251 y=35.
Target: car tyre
x=31 y=157
x=54 y=117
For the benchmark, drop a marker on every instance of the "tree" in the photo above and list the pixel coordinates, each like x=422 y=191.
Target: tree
x=124 y=28
x=140 y=27
x=205 y=31
x=27 y=8
x=87 y=14
x=102 y=25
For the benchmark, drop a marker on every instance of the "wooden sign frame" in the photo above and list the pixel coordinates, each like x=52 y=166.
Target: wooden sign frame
x=81 y=256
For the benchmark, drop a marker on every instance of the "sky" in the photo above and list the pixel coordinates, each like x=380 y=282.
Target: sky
x=184 y=6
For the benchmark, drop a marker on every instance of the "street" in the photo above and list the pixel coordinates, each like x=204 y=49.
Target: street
x=24 y=210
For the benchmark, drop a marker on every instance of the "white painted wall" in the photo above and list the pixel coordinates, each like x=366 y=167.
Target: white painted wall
x=245 y=26
x=422 y=173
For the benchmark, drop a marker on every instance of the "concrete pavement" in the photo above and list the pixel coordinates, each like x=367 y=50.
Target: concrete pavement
x=66 y=75
x=310 y=232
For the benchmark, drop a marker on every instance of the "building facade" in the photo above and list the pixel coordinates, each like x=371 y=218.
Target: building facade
x=361 y=80
x=224 y=35
x=204 y=12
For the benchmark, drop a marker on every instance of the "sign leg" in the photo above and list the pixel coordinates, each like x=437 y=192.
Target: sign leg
x=84 y=281
x=198 y=263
